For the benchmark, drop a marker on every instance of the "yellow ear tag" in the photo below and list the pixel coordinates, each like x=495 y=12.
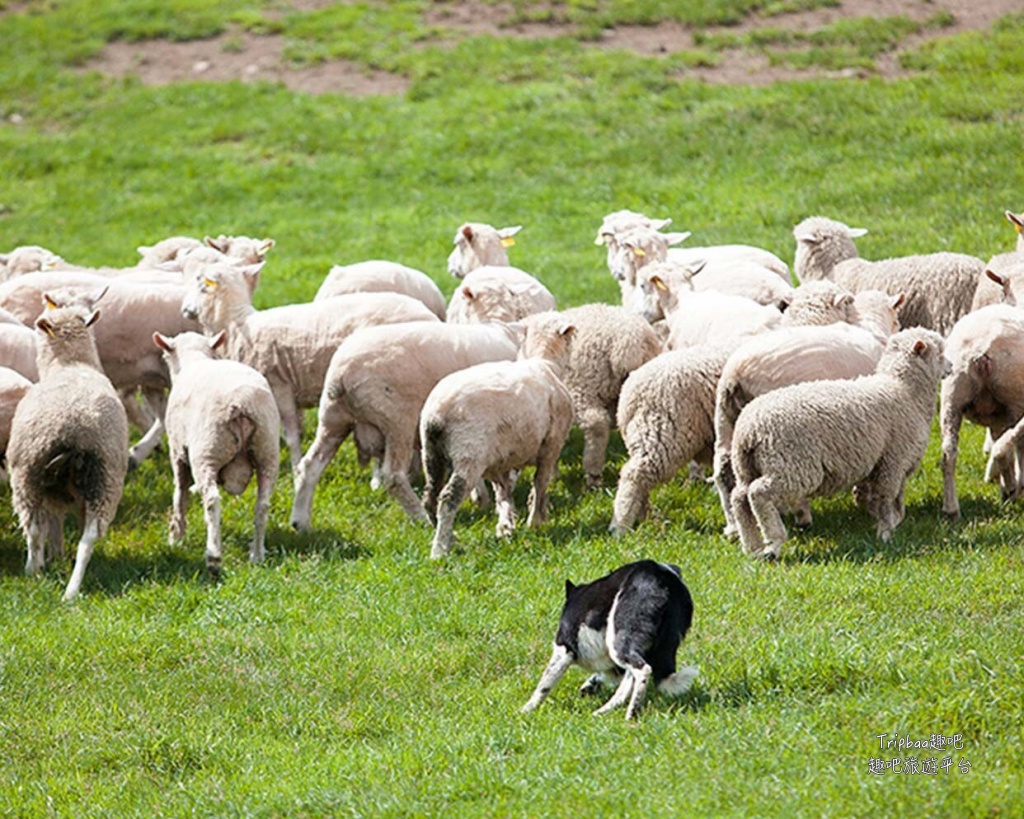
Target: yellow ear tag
x=659 y=284
x=1018 y=227
x=599 y=240
x=50 y=304
x=507 y=241
x=265 y=247
x=210 y=283
x=637 y=251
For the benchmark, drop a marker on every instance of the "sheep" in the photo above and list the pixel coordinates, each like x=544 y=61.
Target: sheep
x=18 y=350
x=821 y=437
x=616 y=224
x=377 y=381
x=68 y=447
x=222 y=426
x=290 y=345
x=607 y=345
x=987 y=351
x=13 y=386
x=748 y=279
x=504 y=294
x=1004 y=461
x=1004 y=271
x=939 y=287
x=28 y=259
x=167 y=250
x=489 y=421
x=665 y=414
x=819 y=303
x=637 y=248
x=480 y=245
x=376 y=276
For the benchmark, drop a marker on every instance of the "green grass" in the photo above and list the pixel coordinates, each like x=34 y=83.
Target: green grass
x=350 y=675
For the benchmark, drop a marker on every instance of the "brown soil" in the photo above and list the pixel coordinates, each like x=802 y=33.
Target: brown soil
x=249 y=58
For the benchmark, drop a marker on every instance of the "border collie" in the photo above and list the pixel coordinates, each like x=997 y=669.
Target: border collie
x=625 y=628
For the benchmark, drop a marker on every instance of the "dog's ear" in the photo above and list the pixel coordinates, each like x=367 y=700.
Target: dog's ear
x=569 y=589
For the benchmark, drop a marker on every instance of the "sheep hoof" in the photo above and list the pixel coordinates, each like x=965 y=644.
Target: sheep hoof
x=731 y=532
x=952 y=515
x=214 y=567
x=769 y=554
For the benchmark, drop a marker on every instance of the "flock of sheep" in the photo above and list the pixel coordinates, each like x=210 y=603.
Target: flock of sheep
x=713 y=358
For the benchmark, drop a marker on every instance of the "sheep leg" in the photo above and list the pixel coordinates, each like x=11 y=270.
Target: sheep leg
x=307 y=473
x=54 y=536
x=763 y=505
x=35 y=537
x=207 y=486
x=750 y=534
x=394 y=472
x=547 y=463
x=560 y=661
x=596 y=428
x=725 y=481
x=143 y=448
x=448 y=503
x=90 y=534
x=179 y=507
x=504 y=505
x=951 y=419
x=291 y=422
x=631 y=495
x=266 y=477
x=802 y=513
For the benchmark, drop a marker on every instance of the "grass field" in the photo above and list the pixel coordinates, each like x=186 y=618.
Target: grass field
x=350 y=675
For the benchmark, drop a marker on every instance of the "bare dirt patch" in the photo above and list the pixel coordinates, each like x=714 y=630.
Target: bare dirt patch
x=250 y=58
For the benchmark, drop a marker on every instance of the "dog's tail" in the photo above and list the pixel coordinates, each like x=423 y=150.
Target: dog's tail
x=679 y=683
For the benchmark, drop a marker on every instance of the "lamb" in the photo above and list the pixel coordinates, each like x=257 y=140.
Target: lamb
x=1004 y=271
x=480 y=245
x=28 y=259
x=1004 y=461
x=666 y=412
x=790 y=355
x=377 y=276
x=491 y=420
x=619 y=223
x=13 y=386
x=222 y=426
x=607 y=345
x=819 y=303
x=636 y=249
x=822 y=437
x=290 y=345
x=68 y=447
x=939 y=287
x=987 y=351
x=378 y=381
x=504 y=294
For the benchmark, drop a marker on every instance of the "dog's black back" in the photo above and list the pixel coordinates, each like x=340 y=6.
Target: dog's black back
x=653 y=610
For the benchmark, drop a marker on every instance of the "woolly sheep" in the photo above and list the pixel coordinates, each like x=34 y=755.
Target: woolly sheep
x=28 y=259
x=222 y=426
x=18 y=350
x=491 y=420
x=480 y=245
x=504 y=294
x=290 y=345
x=665 y=415
x=636 y=249
x=987 y=351
x=377 y=276
x=68 y=447
x=607 y=345
x=378 y=380
x=819 y=303
x=13 y=386
x=939 y=287
x=1005 y=461
x=822 y=437
x=1004 y=273
x=743 y=279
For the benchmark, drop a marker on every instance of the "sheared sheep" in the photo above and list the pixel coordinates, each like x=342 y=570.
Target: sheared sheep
x=222 y=426
x=378 y=381
x=480 y=245
x=1004 y=274
x=378 y=276
x=986 y=386
x=607 y=345
x=68 y=448
x=18 y=350
x=491 y=420
x=822 y=437
x=939 y=287
x=13 y=386
x=28 y=259
x=290 y=345
x=505 y=294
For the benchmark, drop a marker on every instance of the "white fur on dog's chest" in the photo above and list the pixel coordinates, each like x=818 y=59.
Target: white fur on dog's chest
x=593 y=650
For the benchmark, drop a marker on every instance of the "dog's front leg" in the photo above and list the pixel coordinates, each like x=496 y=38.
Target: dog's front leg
x=561 y=659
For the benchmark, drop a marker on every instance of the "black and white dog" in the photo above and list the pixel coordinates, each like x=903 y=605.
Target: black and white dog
x=625 y=626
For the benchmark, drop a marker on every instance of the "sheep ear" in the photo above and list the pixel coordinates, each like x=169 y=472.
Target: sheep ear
x=218 y=339
x=468 y=293
x=856 y=233
x=920 y=347
x=602 y=239
x=566 y=330
x=677 y=238
x=698 y=266
x=50 y=302
x=899 y=301
x=93 y=318
x=658 y=282
x=251 y=271
x=996 y=278
x=265 y=247
x=808 y=237
x=1017 y=220
x=97 y=295
x=506 y=234
x=637 y=251
x=163 y=342
x=44 y=325
x=6 y=257
x=661 y=224
x=467 y=233
x=843 y=300
x=220 y=243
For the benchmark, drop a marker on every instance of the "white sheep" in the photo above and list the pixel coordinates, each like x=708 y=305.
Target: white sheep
x=166 y=250
x=819 y=303
x=607 y=345
x=505 y=294
x=13 y=386
x=68 y=448
x=480 y=245
x=822 y=437
x=377 y=276
x=222 y=427
x=18 y=350
x=28 y=259
x=491 y=420
x=939 y=287
x=986 y=386
x=665 y=414
x=750 y=279
x=377 y=383
x=635 y=250
x=290 y=345
x=1004 y=273
x=1004 y=461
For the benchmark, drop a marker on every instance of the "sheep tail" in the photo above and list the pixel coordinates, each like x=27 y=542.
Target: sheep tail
x=71 y=475
x=435 y=464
